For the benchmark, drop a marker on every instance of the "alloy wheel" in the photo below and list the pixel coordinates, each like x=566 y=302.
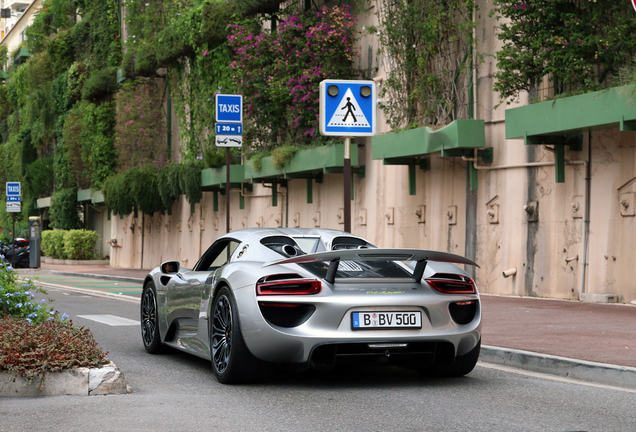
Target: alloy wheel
x=148 y=316
x=222 y=334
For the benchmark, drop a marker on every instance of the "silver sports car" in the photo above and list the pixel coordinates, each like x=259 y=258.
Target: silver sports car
x=314 y=298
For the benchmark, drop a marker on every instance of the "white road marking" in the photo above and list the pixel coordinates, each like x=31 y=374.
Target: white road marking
x=552 y=377
x=111 y=320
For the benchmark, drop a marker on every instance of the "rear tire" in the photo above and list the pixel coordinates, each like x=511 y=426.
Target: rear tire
x=231 y=360
x=462 y=365
x=150 y=320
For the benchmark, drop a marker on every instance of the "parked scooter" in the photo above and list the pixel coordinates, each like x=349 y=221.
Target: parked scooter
x=20 y=248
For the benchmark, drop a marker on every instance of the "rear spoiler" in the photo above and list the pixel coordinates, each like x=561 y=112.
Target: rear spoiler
x=334 y=257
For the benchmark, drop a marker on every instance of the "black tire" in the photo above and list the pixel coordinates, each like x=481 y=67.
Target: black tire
x=231 y=360
x=150 y=320
x=462 y=365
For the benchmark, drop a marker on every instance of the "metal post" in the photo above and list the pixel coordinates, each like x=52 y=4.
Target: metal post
x=347 y=184
x=227 y=189
x=13 y=234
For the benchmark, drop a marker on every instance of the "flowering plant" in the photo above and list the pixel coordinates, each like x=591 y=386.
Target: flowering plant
x=578 y=45
x=279 y=73
x=17 y=299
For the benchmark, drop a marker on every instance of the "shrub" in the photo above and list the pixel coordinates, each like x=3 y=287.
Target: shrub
x=80 y=244
x=47 y=244
x=65 y=209
x=57 y=240
x=33 y=350
x=282 y=155
x=101 y=83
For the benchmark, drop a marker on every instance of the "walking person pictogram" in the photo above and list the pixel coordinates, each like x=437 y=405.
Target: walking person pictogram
x=348 y=107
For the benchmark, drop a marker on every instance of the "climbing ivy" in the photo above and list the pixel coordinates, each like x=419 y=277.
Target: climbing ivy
x=425 y=52
x=577 y=46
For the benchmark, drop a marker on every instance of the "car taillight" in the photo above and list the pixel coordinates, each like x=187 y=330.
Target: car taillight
x=445 y=286
x=289 y=287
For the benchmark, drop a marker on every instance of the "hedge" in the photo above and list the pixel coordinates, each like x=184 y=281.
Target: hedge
x=71 y=244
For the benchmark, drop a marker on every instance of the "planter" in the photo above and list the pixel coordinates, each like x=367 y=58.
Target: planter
x=307 y=162
x=215 y=178
x=404 y=147
x=73 y=382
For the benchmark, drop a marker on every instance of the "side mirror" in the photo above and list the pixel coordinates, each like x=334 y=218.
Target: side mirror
x=170 y=267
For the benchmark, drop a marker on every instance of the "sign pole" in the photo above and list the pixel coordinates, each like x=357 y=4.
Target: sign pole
x=13 y=233
x=347 y=184
x=227 y=189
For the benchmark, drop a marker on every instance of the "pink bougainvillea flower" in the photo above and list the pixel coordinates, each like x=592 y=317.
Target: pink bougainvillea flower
x=205 y=52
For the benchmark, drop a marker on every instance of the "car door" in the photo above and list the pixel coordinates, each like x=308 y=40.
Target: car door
x=187 y=293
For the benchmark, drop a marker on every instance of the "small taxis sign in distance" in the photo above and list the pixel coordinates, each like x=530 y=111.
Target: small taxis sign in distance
x=229 y=140
x=229 y=129
x=229 y=108
x=347 y=108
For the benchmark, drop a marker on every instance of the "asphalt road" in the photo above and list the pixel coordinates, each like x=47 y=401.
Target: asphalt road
x=178 y=392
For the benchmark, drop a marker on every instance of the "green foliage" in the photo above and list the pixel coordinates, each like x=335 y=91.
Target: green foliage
x=100 y=84
x=282 y=155
x=87 y=138
x=426 y=46
x=80 y=244
x=144 y=190
x=116 y=190
x=153 y=188
x=188 y=37
x=48 y=245
x=190 y=180
x=214 y=157
x=65 y=209
x=33 y=350
x=170 y=190
x=39 y=178
x=575 y=45
x=70 y=244
x=140 y=132
x=3 y=56
x=279 y=73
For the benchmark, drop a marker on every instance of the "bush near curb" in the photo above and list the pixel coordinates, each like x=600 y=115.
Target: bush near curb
x=34 y=339
x=71 y=244
x=33 y=350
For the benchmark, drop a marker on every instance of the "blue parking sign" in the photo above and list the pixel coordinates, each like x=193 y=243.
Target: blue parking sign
x=229 y=108
x=347 y=108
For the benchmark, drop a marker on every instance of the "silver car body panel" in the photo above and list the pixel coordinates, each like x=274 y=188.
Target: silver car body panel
x=184 y=299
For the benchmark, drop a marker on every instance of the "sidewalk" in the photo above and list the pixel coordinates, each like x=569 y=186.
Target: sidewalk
x=541 y=328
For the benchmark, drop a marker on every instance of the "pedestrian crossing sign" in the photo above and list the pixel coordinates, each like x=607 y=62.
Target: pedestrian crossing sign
x=347 y=108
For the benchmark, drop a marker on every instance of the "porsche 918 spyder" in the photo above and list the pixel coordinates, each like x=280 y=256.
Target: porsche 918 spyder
x=314 y=298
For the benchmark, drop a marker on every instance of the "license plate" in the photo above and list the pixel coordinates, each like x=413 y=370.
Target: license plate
x=386 y=320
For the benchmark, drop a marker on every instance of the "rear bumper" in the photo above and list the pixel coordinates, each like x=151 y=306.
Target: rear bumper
x=327 y=333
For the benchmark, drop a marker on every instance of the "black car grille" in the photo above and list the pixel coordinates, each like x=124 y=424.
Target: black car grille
x=402 y=353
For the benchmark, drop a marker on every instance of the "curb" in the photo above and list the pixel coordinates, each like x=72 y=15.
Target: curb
x=87 y=275
x=601 y=373
x=106 y=380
